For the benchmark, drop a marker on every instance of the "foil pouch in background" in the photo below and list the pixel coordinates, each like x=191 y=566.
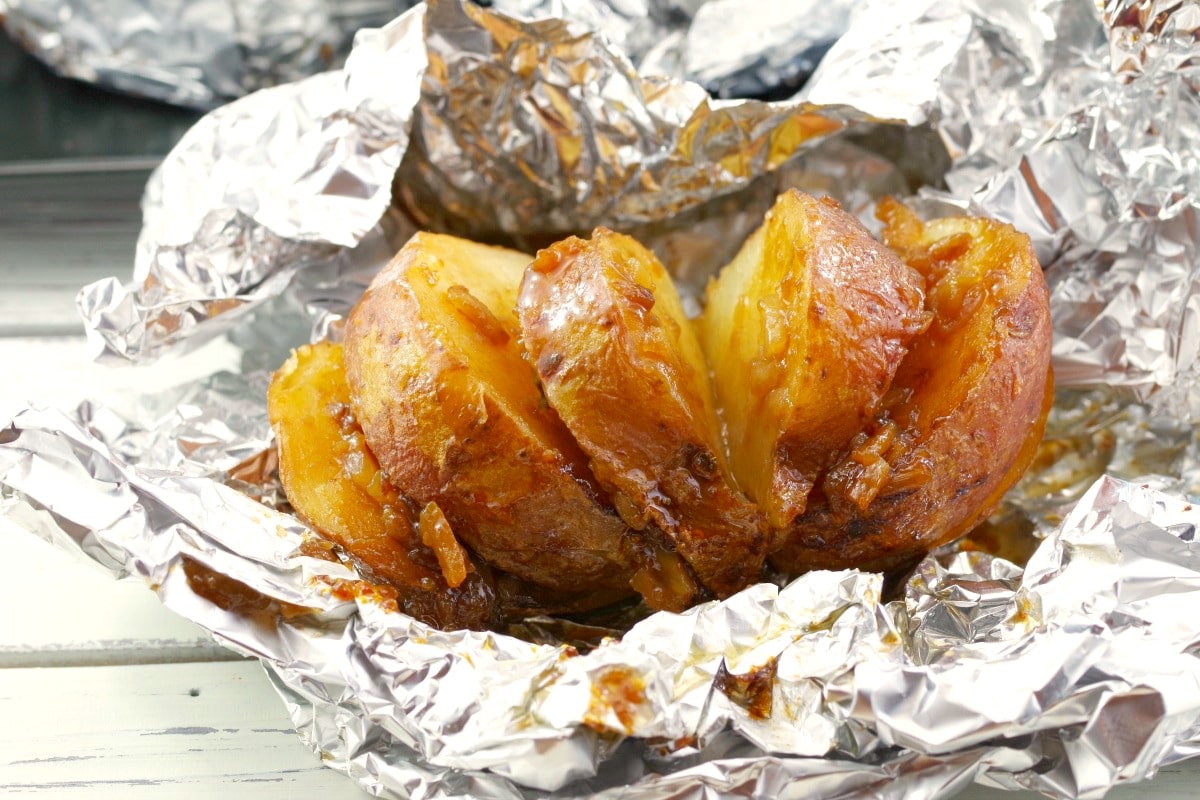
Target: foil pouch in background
x=203 y=54
x=1067 y=677
x=197 y=53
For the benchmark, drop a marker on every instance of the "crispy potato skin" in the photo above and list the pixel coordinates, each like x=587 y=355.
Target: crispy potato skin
x=453 y=412
x=967 y=408
x=866 y=403
x=620 y=363
x=804 y=331
x=335 y=485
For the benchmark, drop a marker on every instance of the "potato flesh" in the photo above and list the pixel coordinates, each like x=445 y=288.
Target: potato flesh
x=804 y=331
x=621 y=365
x=967 y=407
x=454 y=414
x=814 y=337
x=335 y=485
x=330 y=477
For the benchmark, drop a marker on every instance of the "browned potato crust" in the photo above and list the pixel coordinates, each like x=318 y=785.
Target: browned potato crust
x=620 y=363
x=873 y=401
x=335 y=485
x=454 y=414
x=804 y=330
x=967 y=408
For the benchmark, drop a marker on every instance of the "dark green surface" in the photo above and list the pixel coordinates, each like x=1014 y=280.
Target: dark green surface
x=59 y=231
x=44 y=117
x=73 y=161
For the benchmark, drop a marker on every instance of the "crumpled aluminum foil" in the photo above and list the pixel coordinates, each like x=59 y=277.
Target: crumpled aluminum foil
x=1084 y=137
x=209 y=53
x=524 y=160
x=1086 y=656
x=199 y=53
x=1038 y=113
x=730 y=47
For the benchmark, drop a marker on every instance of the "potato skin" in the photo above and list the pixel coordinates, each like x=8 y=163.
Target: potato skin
x=335 y=485
x=804 y=331
x=454 y=414
x=620 y=363
x=876 y=403
x=967 y=408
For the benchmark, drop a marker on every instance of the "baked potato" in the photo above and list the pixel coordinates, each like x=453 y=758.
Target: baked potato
x=335 y=485
x=511 y=436
x=966 y=409
x=620 y=363
x=804 y=331
x=453 y=412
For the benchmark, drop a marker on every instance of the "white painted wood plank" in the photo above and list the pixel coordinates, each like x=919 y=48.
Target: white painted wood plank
x=57 y=371
x=1177 y=782
x=63 y=225
x=185 y=731
x=60 y=609
x=63 y=609
x=217 y=730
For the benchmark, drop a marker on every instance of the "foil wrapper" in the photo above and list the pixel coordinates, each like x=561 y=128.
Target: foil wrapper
x=1066 y=670
x=198 y=54
x=492 y=127
x=1064 y=678
x=1053 y=118
x=732 y=48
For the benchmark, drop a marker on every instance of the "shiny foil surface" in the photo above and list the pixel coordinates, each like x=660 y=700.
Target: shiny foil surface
x=198 y=53
x=502 y=130
x=1065 y=669
x=1086 y=656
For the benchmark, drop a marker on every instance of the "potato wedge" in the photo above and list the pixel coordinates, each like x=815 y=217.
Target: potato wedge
x=620 y=363
x=804 y=330
x=454 y=414
x=335 y=485
x=965 y=413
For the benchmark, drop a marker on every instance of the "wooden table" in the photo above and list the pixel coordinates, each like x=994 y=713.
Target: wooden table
x=103 y=692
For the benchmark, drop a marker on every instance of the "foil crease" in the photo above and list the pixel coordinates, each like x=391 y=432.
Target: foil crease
x=493 y=127
x=526 y=151
x=1091 y=645
x=1049 y=114
x=228 y=222
x=733 y=48
x=198 y=54
x=1037 y=113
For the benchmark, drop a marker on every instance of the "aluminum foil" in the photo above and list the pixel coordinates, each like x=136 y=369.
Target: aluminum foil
x=198 y=54
x=494 y=145
x=1066 y=676
x=204 y=54
x=733 y=48
x=1084 y=138
x=1087 y=655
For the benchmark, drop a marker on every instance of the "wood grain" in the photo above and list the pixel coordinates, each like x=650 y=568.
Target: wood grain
x=174 y=730
x=96 y=621
x=61 y=228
